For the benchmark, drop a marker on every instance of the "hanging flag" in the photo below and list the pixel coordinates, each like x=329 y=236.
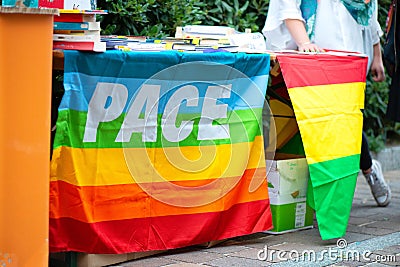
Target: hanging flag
x=327 y=94
x=158 y=150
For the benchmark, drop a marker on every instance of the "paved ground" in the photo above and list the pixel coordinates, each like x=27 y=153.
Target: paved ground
x=373 y=239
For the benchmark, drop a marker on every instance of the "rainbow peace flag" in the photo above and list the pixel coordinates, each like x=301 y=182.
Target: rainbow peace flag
x=327 y=93
x=158 y=150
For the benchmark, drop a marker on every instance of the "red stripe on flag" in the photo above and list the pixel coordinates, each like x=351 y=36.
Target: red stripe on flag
x=301 y=70
x=158 y=233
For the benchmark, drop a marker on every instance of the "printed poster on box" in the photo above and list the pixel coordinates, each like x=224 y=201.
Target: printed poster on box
x=287 y=187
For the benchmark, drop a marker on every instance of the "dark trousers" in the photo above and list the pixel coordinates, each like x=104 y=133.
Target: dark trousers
x=365 y=158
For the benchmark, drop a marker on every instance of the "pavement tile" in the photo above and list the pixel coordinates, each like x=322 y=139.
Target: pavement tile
x=367 y=221
x=375 y=264
x=389 y=256
x=382 y=260
x=310 y=238
x=393 y=215
x=392 y=225
x=196 y=256
x=147 y=262
x=369 y=230
x=363 y=210
x=237 y=262
x=389 y=263
x=358 y=220
x=392 y=250
x=182 y=265
x=257 y=244
x=392 y=174
x=351 y=237
x=296 y=247
x=248 y=253
x=251 y=237
x=225 y=249
x=269 y=240
x=392 y=263
x=348 y=264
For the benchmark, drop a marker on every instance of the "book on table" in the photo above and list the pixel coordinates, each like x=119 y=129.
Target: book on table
x=92 y=25
x=82 y=45
x=208 y=30
x=76 y=37
x=78 y=32
x=75 y=17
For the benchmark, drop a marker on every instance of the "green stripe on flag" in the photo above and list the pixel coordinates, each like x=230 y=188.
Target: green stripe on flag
x=332 y=203
x=328 y=171
x=331 y=191
x=244 y=126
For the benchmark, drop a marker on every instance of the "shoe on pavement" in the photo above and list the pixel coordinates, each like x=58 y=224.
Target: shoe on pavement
x=379 y=188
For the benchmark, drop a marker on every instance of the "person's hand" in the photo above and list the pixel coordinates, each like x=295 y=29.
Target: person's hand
x=299 y=34
x=310 y=47
x=377 y=71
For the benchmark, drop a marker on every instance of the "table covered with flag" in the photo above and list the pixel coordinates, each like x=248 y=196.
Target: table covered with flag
x=160 y=150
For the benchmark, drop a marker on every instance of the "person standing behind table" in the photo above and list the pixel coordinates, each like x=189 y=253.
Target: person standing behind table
x=315 y=25
x=392 y=60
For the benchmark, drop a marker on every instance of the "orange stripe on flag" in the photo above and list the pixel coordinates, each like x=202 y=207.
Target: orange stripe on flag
x=118 y=202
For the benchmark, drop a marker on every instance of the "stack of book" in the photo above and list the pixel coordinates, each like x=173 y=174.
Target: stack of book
x=206 y=35
x=76 y=27
x=78 y=30
x=223 y=38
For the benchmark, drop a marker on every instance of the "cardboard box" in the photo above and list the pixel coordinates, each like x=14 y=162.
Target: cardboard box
x=287 y=187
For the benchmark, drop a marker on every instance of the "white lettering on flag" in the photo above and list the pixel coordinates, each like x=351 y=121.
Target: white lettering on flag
x=211 y=111
x=147 y=95
x=100 y=111
x=170 y=131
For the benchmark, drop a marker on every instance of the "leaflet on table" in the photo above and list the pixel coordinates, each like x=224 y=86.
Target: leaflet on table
x=250 y=41
x=207 y=30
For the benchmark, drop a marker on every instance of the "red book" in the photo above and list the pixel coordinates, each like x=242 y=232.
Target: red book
x=83 y=46
x=52 y=3
x=75 y=17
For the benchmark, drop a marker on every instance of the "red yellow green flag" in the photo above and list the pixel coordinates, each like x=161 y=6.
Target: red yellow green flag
x=327 y=94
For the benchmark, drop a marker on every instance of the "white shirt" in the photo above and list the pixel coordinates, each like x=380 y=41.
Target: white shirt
x=335 y=28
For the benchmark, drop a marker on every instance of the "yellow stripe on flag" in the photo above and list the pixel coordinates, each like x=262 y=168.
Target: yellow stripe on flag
x=329 y=119
x=118 y=166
